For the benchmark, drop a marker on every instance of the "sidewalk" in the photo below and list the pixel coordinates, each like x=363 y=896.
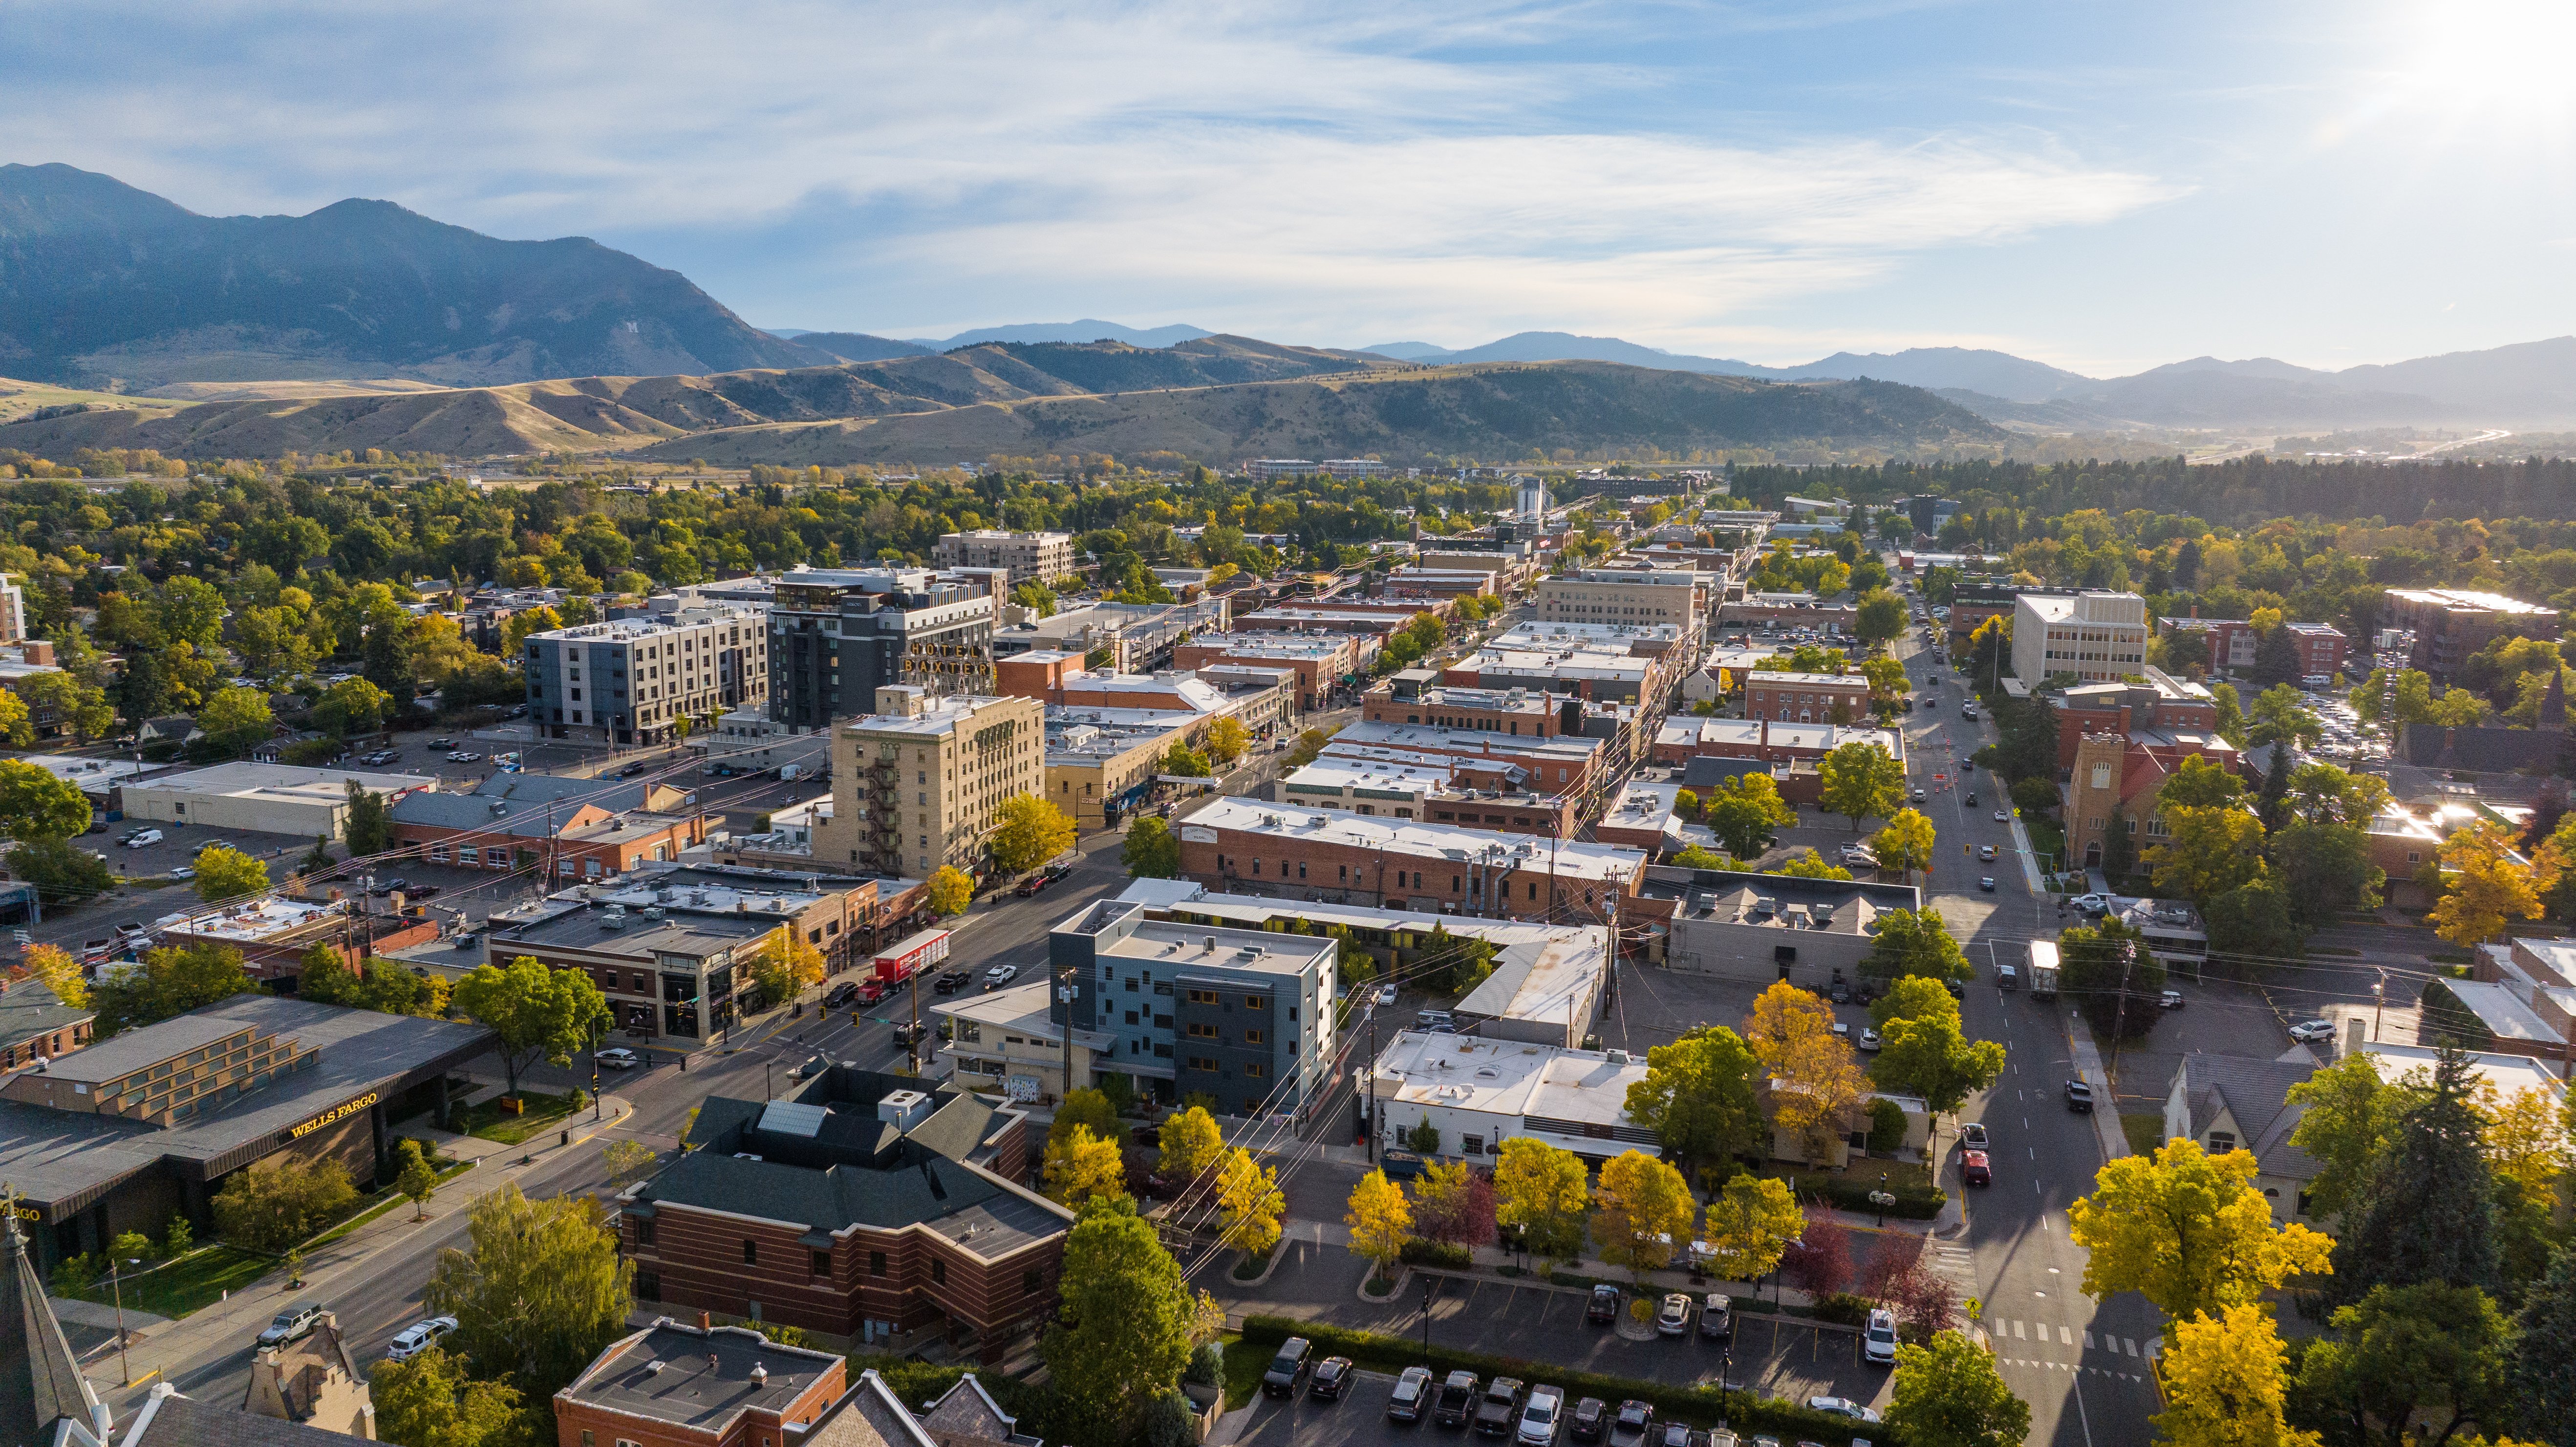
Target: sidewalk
x=211 y=1334
x=2106 y=1106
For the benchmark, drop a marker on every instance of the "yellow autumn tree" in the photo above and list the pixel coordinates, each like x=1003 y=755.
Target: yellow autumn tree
x=1082 y=1167
x=59 y=972
x=784 y=964
x=2484 y=884
x=1191 y=1143
x=2224 y=1378
x=1816 y=1081
x=2526 y=1141
x=1380 y=1220
x=1641 y=1209
x=1750 y=1225
x=2188 y=1231
x=1249 y=1203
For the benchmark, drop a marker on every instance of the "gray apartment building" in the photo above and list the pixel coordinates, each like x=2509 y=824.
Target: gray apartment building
x=1039 y=556
x=837 y=636
x=1243 y=1016
x=630 y=680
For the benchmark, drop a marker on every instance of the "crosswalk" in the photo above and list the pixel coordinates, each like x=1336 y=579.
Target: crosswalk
x=2131 y=1358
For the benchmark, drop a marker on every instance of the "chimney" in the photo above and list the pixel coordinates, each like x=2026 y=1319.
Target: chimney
x=2355 y=1035
x=706 y=1323
x=759 y=1375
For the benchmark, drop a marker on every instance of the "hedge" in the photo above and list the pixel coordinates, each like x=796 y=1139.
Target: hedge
x=1741 y=1410
x=1913 y=1203
x=1421 y=1252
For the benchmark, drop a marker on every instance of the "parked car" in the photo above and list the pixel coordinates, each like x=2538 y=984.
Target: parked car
x=1973 y=1134
x=388 y=885
x=1717 y=1317
x=1332 y=1376
x=1635 y=1420
x=1385 y=995
x=1869 y=1039
x=1412 y=1396
x=1674 y=1319
x=1974 y=1169
x=1842 y=1407
x=464 y=756
x=1457 y=1400
x=617 y=1057
x=2170 y=999
x=2092 y=903
x=1496 y=1409
x=2079 y=1097
x=1677 y=1434
x=1604 y=1306
x=416 y=1338
x=144 y=838
x=1878 y=1338
x=2312 y=1032
x=292 y=1324
x=1287 y=1369
x=1000 y=975
x=442 y=743
x=1540 y=1417
x=1591 y=1419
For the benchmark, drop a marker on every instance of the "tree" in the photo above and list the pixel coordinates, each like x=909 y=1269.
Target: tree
x=2196 y=783
x=418 y=1180
x=2207 y=852
x=1031 y=831
x=2485 y=884
x=1084 y=1108
x=1929 y=1057
x=2414 y=1364
x=1818 y=1081
x=1226 y=740
x=235 y=719
x=1152 y=850
x=16 y=725
x=2525 y=1142
x=2540 y=1362
x=379 y=984
x=538 y=1291
x=1751 y=1222
x=2224 y=1382
x=1747 y=813
x=1309 y=745
x=2253 y=921
x=950 y=891
x=516 y=628
x=534 y=1012
x=2187 y=1230
x=1453 y=1203
x=1698 y=1097
x=1881 y=617
x=1380 y=1221
x=784 y=964
x=1948 y=1394
x=1540 y=1194
x=2111 y=974
x=367 y=826
x=352 y=706
x=37 y=804
x=1249 y=1204
x=171 y=982
x=1906 y=843
x=1191 y=1143
x=2324 y=869
x=628 y=1161
x=1184 y=762
x=272 y=1204
x=61 y=871
x=225 y=873
x=57 y=971
x=430 y=1401
x=80 y=705
x=2350 y=1116
x=2430 y=1213
x=1915 y=942
x=1125 y=1328
x=1640 y=1209
x=1808 y=864
x=1887 y=680
x=1083 y=1166
x=1859 y=780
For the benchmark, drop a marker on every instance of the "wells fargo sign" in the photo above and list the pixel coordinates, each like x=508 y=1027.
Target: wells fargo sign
x=334 y=1115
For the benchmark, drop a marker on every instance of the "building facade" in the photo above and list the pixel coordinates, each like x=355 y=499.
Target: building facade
x=1244 y=846
x=1042 y=557
x=2097 y=637
x=1806 y=697
x=2450 y=624
x=918 y=786
x=632 y=680
x=837 y=636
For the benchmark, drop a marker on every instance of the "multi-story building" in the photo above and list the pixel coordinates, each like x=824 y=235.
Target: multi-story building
x=1806 y=697
x=1276 y=469
x=1245 y=846
x=631 y=681
x=1101 y=762
x=2320 y=647
x=859 y=1204
x=1324 y=662
x=918 y=786
x=2156 y=703
x=1769 y=740
x=1472 y=794
x=1414 y=697
x=1245 y=1016
x=1625 y=595
x=837 y=636
x=1124 y=637
x=2094 y=636
x=2450 y=624
x=1040 y=556
x=565 y=828
x=1605 y=675
x=2115 y=788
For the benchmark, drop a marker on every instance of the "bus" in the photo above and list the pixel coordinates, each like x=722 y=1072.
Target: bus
x=2043 y=969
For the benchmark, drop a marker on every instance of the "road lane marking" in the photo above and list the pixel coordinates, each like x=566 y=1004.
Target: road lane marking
x=2018 y=1333
x=2088 y=1341
x=2131 y=1344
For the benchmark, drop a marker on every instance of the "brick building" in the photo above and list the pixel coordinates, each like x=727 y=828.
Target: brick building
x=916 y=788
x=858 y=1205
x=1682 y=740
x=2450 y=624
x=2158 y=703
x=1039 y=556
x=2321 y=647
x=570 y=828
x=1806 y=697
x=1323 y=662
x=2115 y=784
x=1247 y=847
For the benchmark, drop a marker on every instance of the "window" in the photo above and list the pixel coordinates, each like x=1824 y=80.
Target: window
x=876 y=1263
x=1202 y=1062
x=1254 y=1037
x=1256 y=1002
x=1202 y=997
x=1473 y=1145
x=822 y=1263
x=1255 y=1069
x=1031 y=1281
x=750 y=1252
x=2221 y=1142
x=939 y=1270
x=1200 y=1030
x=643 y=1230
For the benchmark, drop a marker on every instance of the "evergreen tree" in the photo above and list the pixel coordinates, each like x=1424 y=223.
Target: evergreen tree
x=2431 y=1210
x=2276 y=786
x=2540 y=1366
x=2276 y=658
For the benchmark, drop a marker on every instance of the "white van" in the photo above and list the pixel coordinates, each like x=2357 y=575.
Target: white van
x=148 y=836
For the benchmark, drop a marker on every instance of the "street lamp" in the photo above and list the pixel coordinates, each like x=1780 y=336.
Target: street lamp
x=2378 y=1001
x=1882 y=1198
x=1428 y=1283
x=116 y=1283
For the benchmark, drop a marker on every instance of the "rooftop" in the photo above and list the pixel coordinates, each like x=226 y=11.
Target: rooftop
x=29 y=1009
x=940 y=716
x=2466 y=600
x=312 y=786
x=699 y=1379
x=629 y=630
x=258 y=918
x=1784 y=679
x=1185 y=946
x=1310 y=646
x=1504 y=1077
x=1023 y=1008
x=1778 y=901
x=1570 y=859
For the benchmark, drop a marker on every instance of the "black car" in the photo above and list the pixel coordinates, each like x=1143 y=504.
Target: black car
x=1332 y=1374
x=1591 y=1419
x=1717 y=1317
x=631 y=770
x=388 y=886
x=842 y=994
x=2079 y=1097
x=1605 y=1305
x=1674 y=1434
x=1500 y=1404
x=1287 y=1369
x=1635 y=1422
x=1411 y=1397
x=948 y=982
x=1457 y=1400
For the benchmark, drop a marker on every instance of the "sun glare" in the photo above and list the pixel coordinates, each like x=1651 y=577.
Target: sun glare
x=2491 y=56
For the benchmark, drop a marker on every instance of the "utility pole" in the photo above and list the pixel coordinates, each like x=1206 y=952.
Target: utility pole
x=1369 y=1071
x=2120 y=1018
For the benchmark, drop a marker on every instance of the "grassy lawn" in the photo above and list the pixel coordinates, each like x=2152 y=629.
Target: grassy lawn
x=384 y=1201
x=2145 y=1130
x=486 y=1119
x=1900 y=1174
x=2047 y=841
x=196 y=1280
x=1244 y=1364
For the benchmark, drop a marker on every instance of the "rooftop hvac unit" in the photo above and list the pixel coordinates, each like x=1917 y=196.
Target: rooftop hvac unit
x=652 y=911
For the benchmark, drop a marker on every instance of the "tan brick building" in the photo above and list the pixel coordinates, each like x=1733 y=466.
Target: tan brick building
x=1040 y=556
x=917 y=787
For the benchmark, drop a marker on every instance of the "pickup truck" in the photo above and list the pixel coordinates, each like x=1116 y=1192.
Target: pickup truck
x=1502 y=1402
x=1457 y=1400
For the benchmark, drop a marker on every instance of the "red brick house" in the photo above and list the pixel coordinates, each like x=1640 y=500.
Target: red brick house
x=583 y=828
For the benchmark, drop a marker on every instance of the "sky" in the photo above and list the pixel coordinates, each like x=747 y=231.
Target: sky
x=2102 y=186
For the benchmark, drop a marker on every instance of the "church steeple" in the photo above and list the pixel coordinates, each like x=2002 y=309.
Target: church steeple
x=2553 y=703
x=40 y=1380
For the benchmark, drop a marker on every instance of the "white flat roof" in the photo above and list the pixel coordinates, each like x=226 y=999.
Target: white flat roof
x=310 y=786
x=1504 y=1077
x=1572 y=859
